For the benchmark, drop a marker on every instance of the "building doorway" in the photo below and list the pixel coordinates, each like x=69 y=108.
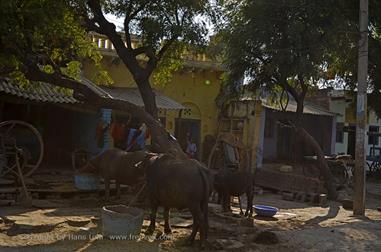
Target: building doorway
x=351 y=147
x=188 y=128
x=285 y=142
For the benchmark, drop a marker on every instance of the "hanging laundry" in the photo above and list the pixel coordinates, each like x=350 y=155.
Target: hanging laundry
x=137 y=138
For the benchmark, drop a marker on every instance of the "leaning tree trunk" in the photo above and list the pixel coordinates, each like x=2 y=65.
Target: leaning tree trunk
x=86 y=93
x=98 y=23
x=161 y=141
x=302 y=134
x=322 y=163
x=148 y=96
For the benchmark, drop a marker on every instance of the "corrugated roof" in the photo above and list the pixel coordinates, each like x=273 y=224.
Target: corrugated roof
x=44 y=92
x=309 y=108
x=41 y=92
x=133 y=95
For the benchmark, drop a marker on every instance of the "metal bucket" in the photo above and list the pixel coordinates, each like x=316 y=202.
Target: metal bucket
x=122 y=222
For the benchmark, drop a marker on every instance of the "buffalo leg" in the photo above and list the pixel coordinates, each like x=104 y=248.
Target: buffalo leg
x=219 y=197
x=118 y=192
x=196 y=213
x=107 y=189
x=240 y=205
x=249 y=207
x=199 y=224
x=204 y=208
x=152 y=225
x=214 y=196
x=203 y=228
x=167 y=226
x=225 y=202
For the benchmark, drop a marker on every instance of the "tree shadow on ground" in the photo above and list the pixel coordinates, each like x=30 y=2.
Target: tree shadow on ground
x=332 y=213
x=17 y=229
x=265 y=218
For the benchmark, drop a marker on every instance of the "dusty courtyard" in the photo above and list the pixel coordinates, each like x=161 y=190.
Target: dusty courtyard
x=74 y=225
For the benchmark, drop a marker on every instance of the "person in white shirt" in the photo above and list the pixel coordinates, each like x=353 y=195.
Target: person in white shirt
x=191 y=148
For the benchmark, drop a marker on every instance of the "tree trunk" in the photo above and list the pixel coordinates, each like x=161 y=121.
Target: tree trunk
x=160 y=138
x=148 y=96
x=322 y=163
x=162 y=142
x=98 y=23
x=302 y=134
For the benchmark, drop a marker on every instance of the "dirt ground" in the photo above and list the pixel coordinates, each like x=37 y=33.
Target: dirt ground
x=75 y=225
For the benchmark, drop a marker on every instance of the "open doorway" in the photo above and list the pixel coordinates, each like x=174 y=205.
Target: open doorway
x=285 y=143
x=351 y=147
x=188 y=128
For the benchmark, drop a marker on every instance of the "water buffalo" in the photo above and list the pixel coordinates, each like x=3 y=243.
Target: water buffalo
x=179 y=183
x=228 y=182
x=118 y=165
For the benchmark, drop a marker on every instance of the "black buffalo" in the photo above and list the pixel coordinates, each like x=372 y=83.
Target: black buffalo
x=179 y=183
x=229 y=182
x=118 y=165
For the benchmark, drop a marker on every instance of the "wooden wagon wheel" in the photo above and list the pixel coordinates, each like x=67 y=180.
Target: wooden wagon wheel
x=7 y=131
x=236 y=145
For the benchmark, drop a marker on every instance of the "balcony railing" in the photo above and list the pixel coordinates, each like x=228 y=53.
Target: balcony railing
x=104 y=44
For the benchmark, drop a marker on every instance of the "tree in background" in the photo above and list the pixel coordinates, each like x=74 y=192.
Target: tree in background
x=344 y=69
x=46 y=40
x=287 y=46
x=161 y=27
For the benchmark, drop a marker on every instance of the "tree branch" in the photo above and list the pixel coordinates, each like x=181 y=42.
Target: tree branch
x=109 y=30
x=129 y=16
x=139 y=9
x=91 y=25
x=88 y=93
x=177 y=17
x=290 y=89
x=152 y=62
x=105 y=26
x=96 y=96
x=165 y=47
x=140 y=50
x=33 y=73
x=127 y=31
x=303 y=86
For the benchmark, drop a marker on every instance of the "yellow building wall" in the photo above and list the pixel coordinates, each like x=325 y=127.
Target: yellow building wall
x=251 y=114
x=196 y=88
x=191 y=90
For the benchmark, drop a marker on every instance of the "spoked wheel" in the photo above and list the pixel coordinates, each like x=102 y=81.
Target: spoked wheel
x=16 y=135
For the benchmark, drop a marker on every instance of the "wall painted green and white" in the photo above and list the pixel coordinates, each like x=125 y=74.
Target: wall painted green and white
x=343 y=106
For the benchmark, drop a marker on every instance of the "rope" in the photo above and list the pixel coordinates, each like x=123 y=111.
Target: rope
x=137 y=195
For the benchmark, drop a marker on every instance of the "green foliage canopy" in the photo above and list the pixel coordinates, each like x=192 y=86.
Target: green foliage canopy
x=268 y=41
x=164 y=29
x=45 y=34
x=53 y=34
x=285 y=44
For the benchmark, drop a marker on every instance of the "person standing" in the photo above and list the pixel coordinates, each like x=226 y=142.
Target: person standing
x=191 y=148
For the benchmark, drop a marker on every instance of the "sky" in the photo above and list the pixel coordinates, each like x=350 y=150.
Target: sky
x=119 y=23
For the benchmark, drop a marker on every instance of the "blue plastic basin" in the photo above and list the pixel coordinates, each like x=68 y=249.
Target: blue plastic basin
x=86 y=182
x=267 y=211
